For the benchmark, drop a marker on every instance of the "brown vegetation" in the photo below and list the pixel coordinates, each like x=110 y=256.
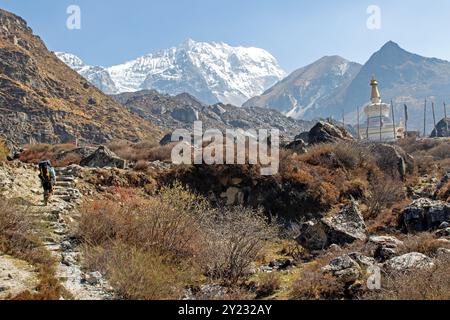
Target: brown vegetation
x=429 y=284
x=176 y=232
x=3 y=150
x=18 y=237
x=38 y=152
x=145 y=151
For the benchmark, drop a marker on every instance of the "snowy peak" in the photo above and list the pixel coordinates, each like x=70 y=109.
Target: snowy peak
x=98 y=76
x=212 y=72
x=71 y=60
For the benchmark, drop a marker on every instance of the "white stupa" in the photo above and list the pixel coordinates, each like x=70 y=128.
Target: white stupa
x=379 y=125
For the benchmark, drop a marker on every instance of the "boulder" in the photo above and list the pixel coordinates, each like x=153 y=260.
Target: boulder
x=442 y=129
x=344 y=268
x=385 y=247
x=324 y=132
x=425 y=214
x=185 y=114
x=392 y=159
x=303 y=136
x=102 y=158
x=298 y=146
x=409 y=261
x=345 y=227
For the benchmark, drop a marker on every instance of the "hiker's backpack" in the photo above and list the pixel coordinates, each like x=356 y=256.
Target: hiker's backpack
x=45 y=173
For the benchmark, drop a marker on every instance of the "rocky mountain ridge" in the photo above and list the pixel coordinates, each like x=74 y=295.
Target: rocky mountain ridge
x=44 y=101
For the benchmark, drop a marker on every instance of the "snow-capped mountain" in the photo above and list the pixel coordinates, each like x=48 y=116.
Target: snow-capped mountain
x=212 y=72
x=98 y=76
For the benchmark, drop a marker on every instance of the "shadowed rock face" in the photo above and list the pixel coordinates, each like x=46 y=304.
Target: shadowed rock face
x=425 y=214
x=324 y=132
x=393 y=160
x=345 y=227
x=442 y=129
x=102 y=158
x=42 y=100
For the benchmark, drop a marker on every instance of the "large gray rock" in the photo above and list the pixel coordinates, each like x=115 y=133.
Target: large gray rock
x=102 y=158
x=408 y=262
x=324 y=132
x=442 y=129
x=425 y=214
x=185 y=114
x=392 y=160
x=346 y=227
x=386 y=247
x=298 y=146
x=344 y=268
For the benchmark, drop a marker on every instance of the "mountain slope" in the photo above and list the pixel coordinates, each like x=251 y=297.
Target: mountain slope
x=180 y=111
x=212 y=72
x=307 y=89
x=43 y=100
x=403 y=77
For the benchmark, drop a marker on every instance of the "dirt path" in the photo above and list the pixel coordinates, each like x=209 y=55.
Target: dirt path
x=20 y=182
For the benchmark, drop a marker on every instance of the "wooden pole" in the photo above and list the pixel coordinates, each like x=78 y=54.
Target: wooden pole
x=367 y=129
x=393 y=121
x=446 y=121
x=343 y=118
x=406 y=119
x=434 y=119
x=425 y=120
x=381 y=122
x=358 y=126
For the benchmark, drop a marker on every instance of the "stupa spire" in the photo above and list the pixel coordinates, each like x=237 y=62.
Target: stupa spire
x=375 y=96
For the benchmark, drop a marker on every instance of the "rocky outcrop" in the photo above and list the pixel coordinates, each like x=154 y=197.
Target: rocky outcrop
x=392 y=160
x=185 y=114
x=298 y=146
x=345 y=227
x=103 y=158
x=385 y=247
x=442 y=129
x=425 y=214
x=350 y=267
x=408 y=262
x=324 y=132
x=42 y=100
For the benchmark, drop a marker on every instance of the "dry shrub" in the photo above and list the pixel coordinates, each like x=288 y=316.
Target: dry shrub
x=19 y=237
x=425 y=243
x=177 y=227
x=141 y=165
x=234 y=239
x=145 y=151
x=432 y=284
x=37 y=152
x=4 y=151
x=169 y=223
x=16 y=229
x=268 y=284
x=384 y=191
x=136 y=273
x=313 y=284
x=444 y=192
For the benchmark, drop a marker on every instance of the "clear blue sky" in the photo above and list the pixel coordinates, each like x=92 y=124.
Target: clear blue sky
x=296 y=32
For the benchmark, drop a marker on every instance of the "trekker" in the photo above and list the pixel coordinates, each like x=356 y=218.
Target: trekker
x=48 y=179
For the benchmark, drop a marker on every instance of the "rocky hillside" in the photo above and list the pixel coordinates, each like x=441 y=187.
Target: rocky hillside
x=212 y=72
x=182 y=110
x=307 y=89
x=43 y=100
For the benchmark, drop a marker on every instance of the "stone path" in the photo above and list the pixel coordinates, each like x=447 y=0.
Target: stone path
x=57 y=217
